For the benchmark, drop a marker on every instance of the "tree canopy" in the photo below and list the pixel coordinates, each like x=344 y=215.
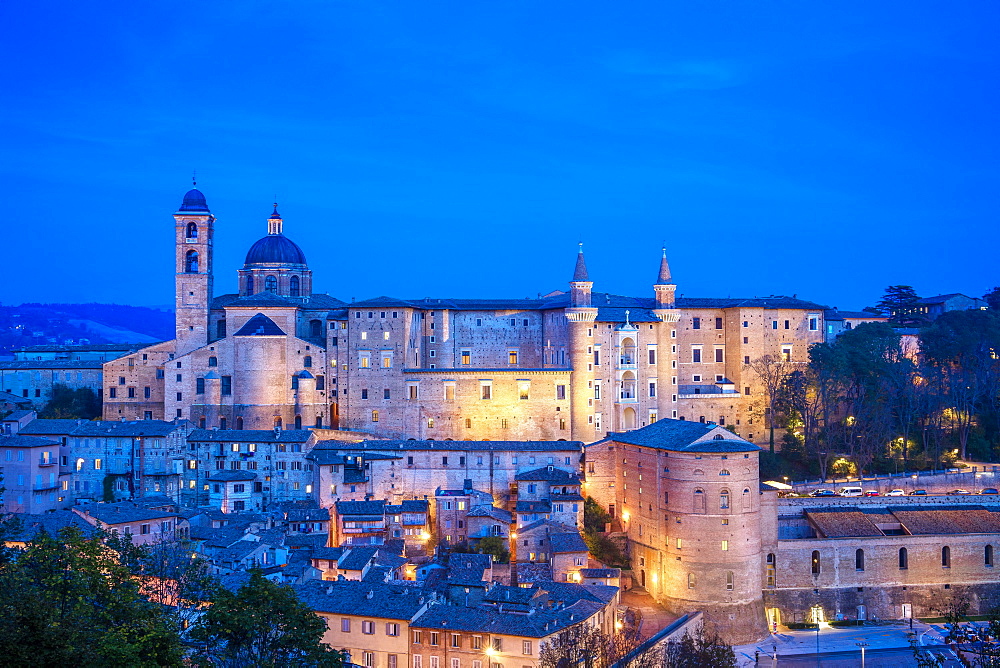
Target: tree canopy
x=262 y=624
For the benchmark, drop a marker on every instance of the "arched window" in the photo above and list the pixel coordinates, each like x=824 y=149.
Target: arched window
x=988 y=556
x=79 y=464
x=729 y=580
x=699 y=500
x=319 y=422
x=293 y=286
x=249 y=285
x=201 y=422
x=316 y=328
x=724 y=500
x=307 y=361
x=277 y=423
x=220 y=329
x=724 y=472
x=298 y=422
x=374 y=416
x=192 y=231
x=239 y=423
x=945 y=557
x=718 y=437
x=222 y=423
x=213 y=361
x=904 y=559
x=815 y=562
x=271 y=284
x=770 y=571
x=747 y=499
x=859 y=560
x=191 y=262
x=690 y=580
x=701 y=419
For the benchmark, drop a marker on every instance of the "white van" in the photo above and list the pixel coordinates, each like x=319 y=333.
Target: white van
x=850 y=491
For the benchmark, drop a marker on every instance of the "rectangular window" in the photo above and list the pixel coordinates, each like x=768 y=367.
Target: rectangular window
x=386 y=394
x=696 y=354
x=560 y=392
x=512 y=357
x=392 y=629
x=227 y=385
x=146 y=392
x=652 y=390
x=487 y=391
x=720 y=355
x=813 y=324
x=652 y=355
x=368 y=627
x=718 y=323
x=786 y=354
x=387 y=361
x=695 y=323
x=364 y=394
x=466 y=357
x=787 y=324
x=526 y=647
x=199 y=386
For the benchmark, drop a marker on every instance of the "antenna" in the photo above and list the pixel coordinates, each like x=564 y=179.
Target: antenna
x=194 y=177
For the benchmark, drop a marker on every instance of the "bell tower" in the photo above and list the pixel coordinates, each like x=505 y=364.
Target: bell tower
x=666 y=339
x=193 y=231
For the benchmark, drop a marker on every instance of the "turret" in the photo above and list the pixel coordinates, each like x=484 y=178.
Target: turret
x=664 y=286
x=581 y=285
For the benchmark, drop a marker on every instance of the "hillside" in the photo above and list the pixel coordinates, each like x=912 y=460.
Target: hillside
x=37 y=324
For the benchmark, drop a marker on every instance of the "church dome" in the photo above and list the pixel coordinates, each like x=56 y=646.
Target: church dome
x=194 y=201
x=275 y=249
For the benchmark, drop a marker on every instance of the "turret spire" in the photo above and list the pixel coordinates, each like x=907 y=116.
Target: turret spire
x=663 y=278
x=580 y=273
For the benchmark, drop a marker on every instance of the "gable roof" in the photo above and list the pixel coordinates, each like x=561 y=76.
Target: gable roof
x=260 y=325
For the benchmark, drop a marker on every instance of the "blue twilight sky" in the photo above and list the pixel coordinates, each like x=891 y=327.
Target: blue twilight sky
x=462 y=149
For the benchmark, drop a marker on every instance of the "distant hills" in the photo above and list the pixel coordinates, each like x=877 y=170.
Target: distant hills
x=39 y=324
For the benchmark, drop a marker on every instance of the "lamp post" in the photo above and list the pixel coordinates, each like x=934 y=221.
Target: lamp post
x=862 y=645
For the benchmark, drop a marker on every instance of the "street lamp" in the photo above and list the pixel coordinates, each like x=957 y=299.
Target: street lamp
x=862 y=645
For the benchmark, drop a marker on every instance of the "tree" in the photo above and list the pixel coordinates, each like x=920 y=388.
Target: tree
x=772 y=370
x=67 y=600
x=589 y=647
x=496 y=546
x=67 y=403
x=902 y=304
x=993 y=299
x=701 y=650
x=262 y=624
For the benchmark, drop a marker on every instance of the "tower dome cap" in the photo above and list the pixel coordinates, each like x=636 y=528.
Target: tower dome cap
x=194 y=200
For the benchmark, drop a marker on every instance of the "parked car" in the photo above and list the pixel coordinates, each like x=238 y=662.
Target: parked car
x=895 y=492
x=990 y=490
x=960 y=491
x=851 y=491
x=871 y=492
x=823 y=492
x=919 y=492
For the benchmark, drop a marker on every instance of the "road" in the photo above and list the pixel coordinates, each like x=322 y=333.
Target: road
x=878 y=658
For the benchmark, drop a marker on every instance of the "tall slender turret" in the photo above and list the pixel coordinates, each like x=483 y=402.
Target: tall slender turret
x=581 y=318
x=664 y=286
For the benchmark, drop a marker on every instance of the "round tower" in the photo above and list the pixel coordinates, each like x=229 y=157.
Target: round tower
x=666 y=341
x=713 y=536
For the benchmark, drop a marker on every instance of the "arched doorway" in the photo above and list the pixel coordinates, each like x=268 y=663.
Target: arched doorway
x=334 y=416
x=628 y=418
x=642 y=578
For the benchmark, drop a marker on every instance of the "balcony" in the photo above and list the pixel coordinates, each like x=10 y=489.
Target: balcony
x=43 y=486
x=716 y=391
x=627 y=362
x=47 y=462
